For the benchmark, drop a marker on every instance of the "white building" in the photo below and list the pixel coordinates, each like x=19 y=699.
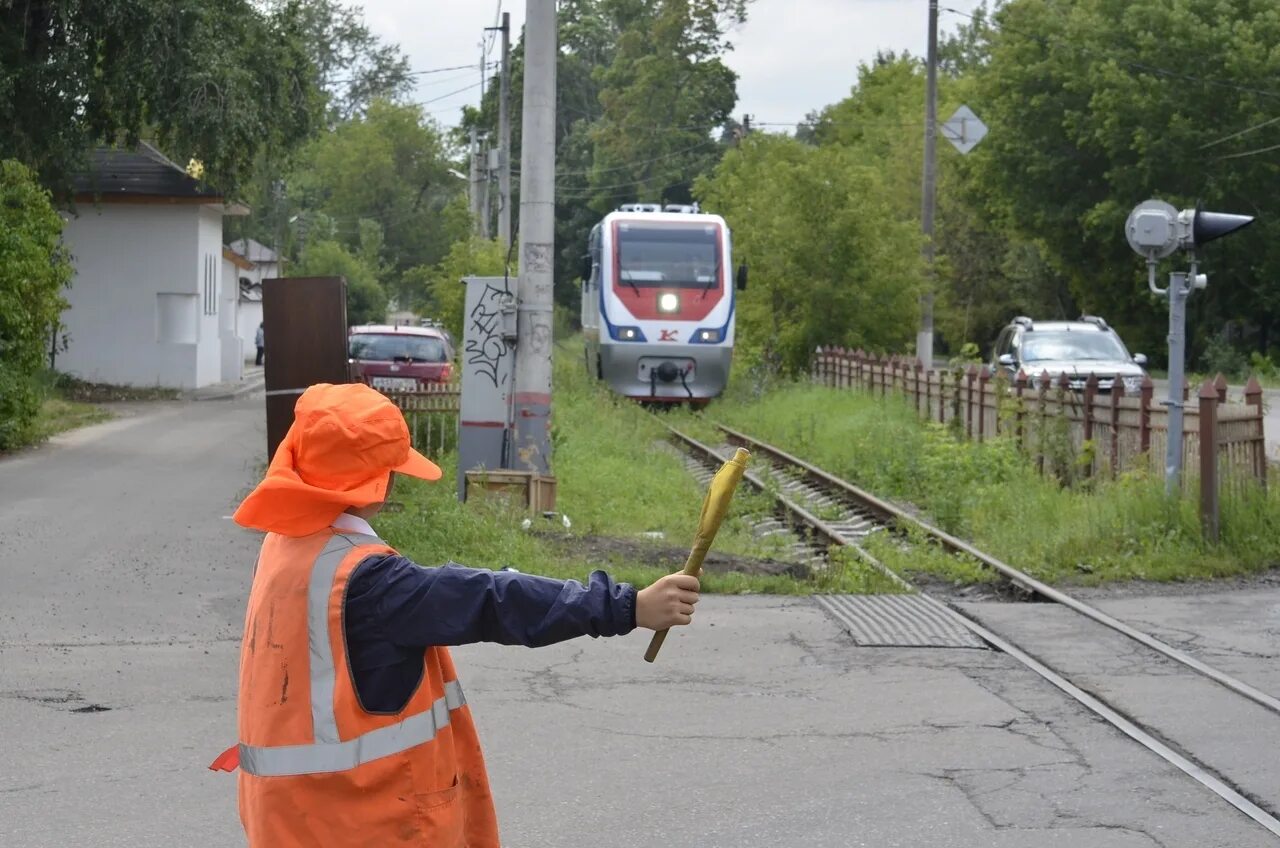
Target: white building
x=266 y=266
x=233 y=345
x=147 y=305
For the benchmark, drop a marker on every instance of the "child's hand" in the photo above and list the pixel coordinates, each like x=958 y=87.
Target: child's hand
x=667 y=602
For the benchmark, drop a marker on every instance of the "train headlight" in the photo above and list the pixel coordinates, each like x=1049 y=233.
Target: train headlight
x=707 y=335
x=627 y=334
x=668 y=302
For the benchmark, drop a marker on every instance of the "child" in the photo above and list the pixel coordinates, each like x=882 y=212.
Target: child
x=353 y=727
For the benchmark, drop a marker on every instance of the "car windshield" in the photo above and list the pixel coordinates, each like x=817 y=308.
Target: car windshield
x=673 y=256
x=389 y=346
x=1042 y=346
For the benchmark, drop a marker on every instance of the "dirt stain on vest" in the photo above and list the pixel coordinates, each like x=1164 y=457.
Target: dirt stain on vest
x=284 y=687
x=271 y=623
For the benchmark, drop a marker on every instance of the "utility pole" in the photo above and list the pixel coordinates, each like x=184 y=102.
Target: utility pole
x=504 y=138
x=486 y=189
x=474 y=182
x=530 y=443
x=924 y=340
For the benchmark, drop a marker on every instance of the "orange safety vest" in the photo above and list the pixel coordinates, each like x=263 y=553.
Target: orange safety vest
x=316 y=768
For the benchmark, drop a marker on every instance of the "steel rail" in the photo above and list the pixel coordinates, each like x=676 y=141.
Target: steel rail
x=1195 y=770
x=889 y=512
x=831 y=535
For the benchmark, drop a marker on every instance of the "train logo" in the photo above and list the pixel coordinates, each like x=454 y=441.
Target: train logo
x=658 y=303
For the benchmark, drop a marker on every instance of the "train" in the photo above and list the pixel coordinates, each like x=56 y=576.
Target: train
x=658 y=303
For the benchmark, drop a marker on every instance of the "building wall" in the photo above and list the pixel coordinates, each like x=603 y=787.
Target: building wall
x=209 y=286
x=250 y=318
x=228 y=323
x=136 y=314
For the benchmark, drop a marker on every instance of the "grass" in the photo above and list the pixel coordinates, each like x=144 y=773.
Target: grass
x=990 y=494
x=614 y=479
x=74 y=389
x=58 y=415
x=67 y=403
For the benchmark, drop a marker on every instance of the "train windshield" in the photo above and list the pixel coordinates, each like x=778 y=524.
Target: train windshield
x=675 y=256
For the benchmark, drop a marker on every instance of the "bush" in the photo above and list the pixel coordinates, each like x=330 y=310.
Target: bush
x=34 y=268
x=1221 y=357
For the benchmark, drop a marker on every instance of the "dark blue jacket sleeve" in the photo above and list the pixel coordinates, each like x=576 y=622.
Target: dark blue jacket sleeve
x=455 y=605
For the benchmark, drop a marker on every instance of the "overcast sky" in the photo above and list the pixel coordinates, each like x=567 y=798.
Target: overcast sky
x=791 y=56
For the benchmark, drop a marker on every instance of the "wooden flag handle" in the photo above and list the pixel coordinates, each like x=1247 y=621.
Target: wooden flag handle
x=716 y=504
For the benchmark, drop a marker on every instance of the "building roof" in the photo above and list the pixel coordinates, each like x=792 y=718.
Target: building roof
x=140 y=173
x=254 y=251
x=236 y=259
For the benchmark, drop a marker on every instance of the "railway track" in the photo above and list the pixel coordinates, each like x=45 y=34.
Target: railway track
x=830 y=512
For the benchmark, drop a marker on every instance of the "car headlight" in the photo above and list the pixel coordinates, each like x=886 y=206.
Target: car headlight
x=668 y=302
x=627 y=334
x=707 y=335
x=1132 y=385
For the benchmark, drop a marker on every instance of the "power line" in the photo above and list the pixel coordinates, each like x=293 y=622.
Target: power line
x=471 y=67
x=450 y=94
x=1250 y=152
x=628 y=165
x=1247 y=130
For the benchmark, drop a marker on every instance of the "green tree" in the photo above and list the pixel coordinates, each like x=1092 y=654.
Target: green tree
x=352 y=64
x=366 y=301
x=390 y=166
x=831 y=261
x=34 y=268
x=216 y=80
x=640 y=91
x=445 y=297
x=1096 y=105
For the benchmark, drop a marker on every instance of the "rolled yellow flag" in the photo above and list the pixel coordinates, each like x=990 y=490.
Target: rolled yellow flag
x=714 y=507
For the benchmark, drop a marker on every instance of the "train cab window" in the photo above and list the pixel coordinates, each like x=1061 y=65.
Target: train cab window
x=680 y=256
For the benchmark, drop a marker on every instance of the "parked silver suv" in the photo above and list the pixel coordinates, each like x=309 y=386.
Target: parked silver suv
x=1075 y=348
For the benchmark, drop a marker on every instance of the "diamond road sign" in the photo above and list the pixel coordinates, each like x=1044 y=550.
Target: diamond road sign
x=964 y=129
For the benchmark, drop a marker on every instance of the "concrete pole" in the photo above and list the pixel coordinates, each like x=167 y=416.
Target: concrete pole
x=473 y=182
x=924 y=340
x=532 y=448
x=504 y=138
x=1178 y=291
x=486 y=189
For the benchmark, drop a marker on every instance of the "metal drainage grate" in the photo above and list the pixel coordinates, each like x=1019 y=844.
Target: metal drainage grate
x=898 y=621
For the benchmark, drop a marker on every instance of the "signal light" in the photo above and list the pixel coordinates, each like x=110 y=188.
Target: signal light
x=1156 y=230
x=1207 y=226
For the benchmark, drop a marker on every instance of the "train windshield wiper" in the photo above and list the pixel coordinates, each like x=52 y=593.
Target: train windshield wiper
x=626 y=278
x=713 y=281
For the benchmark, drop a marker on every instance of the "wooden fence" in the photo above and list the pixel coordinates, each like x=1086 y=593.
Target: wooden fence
x=432 y=415
x=1104 y=433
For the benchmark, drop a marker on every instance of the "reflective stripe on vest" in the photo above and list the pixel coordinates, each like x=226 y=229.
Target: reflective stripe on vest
x=327 y=753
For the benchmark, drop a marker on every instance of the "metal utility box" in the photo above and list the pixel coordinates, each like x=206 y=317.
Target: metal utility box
x=488 y=375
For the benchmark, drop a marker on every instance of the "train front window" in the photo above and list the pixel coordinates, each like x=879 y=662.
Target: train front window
x=680 y=256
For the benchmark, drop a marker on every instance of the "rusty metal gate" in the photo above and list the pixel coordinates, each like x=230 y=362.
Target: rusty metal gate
x=305 y=336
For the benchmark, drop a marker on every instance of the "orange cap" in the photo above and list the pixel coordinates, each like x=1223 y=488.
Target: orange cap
x=344 y=441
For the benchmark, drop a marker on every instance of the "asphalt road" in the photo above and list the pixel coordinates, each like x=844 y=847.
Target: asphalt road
x=762 y=725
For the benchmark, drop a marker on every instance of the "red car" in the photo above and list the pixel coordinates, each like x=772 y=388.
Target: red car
x=399 y=358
